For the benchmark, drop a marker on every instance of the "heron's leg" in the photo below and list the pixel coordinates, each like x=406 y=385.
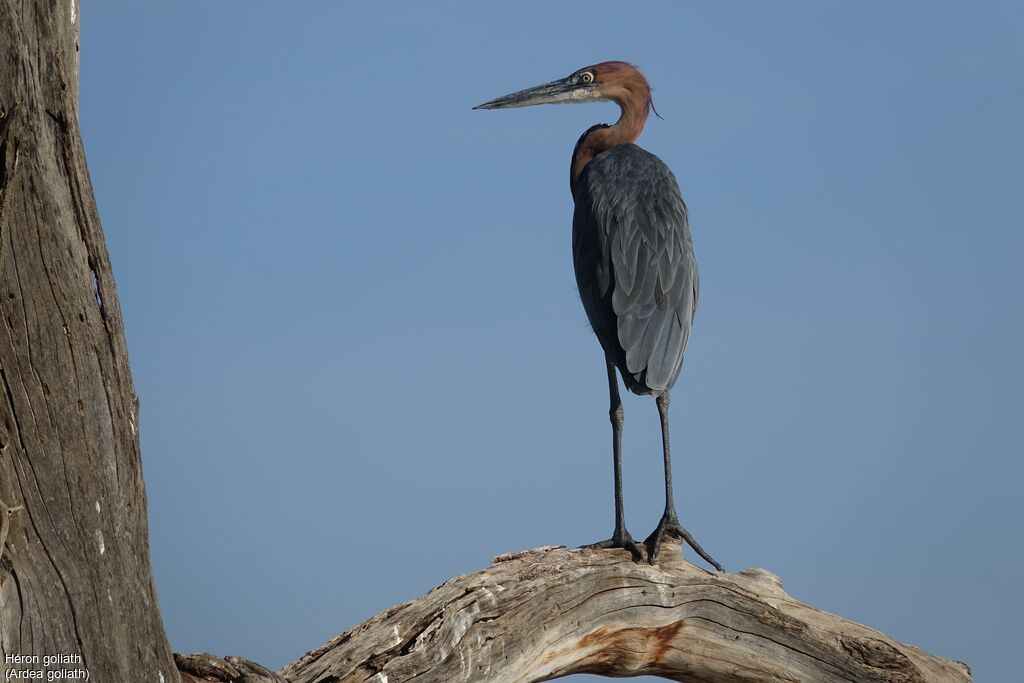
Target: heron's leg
x=669 y=523
x=620 y=537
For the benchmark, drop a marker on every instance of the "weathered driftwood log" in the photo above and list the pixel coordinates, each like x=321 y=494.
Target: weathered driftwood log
x=551 y=612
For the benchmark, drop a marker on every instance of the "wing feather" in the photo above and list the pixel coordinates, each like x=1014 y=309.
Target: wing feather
x=635 y=266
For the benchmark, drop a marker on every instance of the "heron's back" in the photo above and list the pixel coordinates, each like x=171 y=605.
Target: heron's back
x=635 y=266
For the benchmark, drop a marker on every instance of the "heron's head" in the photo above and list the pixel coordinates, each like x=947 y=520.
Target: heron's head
x=619 y=82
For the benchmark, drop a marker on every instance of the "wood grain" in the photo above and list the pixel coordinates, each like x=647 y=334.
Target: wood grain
x=551 y=612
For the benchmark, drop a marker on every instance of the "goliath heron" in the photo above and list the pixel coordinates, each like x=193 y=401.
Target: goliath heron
x=633 y=255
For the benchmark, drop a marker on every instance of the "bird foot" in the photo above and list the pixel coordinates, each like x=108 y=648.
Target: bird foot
x=670 y=526
x=620 y=539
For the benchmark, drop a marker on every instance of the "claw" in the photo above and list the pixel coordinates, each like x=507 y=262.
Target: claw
x=669 y=525
x=620 y=539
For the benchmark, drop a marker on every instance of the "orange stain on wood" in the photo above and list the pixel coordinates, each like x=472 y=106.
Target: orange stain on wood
x=621 y=650
x=663 y=637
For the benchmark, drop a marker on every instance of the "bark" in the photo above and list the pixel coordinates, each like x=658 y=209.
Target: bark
x=75 y=576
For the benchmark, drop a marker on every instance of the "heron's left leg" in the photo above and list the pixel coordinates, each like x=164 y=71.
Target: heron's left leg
x=669 y=523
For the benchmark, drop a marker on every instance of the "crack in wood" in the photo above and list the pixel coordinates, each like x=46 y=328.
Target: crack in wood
x=5 y=522
x=13 y=412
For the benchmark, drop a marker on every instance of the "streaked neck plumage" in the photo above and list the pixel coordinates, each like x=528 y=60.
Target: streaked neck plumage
x=634 y=100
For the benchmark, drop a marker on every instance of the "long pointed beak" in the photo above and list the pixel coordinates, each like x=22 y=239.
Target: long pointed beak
x=561 y=91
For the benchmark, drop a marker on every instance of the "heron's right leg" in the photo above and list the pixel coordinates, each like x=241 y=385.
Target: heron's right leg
x=620 y=537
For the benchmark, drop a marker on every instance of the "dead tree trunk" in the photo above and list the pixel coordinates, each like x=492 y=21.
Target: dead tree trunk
x=75 y=576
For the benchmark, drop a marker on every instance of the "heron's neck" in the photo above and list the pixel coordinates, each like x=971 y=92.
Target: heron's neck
x=600 y=138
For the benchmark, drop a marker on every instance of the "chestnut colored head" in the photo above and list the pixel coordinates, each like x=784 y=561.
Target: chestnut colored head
x=618 y=82
x=622 y=83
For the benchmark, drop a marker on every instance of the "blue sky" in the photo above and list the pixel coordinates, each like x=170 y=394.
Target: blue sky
x=364 y=368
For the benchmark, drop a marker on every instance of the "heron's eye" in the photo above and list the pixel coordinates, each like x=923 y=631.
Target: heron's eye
x=586 y=77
